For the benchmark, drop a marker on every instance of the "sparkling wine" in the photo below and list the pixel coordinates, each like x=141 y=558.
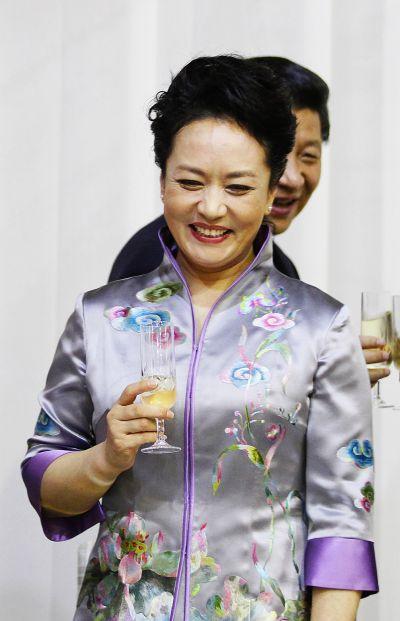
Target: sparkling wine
x=381 y=327
x=164 y=395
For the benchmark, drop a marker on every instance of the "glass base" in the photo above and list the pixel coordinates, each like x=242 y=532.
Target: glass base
x=160 y=447
x=380 y=404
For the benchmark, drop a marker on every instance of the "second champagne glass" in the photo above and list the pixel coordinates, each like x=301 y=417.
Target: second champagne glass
x=157 y=357
x=376 y=311
x=396 y=336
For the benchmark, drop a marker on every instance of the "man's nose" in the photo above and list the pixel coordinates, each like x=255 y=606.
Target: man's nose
x=292 y=177
x=212 y=205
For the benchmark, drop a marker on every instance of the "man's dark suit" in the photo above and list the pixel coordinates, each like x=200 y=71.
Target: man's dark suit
x=143 y=253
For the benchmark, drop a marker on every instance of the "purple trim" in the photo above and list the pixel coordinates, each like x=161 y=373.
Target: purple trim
x=55 y=528
x=341 y=563
x=189 y=413
x=188 y=463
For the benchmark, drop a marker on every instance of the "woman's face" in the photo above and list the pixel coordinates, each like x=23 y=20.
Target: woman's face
x=215 y=193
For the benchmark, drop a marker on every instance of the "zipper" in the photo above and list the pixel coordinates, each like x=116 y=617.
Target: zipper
x=184 y=561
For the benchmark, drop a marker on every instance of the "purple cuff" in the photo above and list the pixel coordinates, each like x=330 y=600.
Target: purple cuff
x=341 y=563
x=55 y=528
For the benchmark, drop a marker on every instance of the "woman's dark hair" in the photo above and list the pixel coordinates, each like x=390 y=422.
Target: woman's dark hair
x=228 y=88
x=307 y=89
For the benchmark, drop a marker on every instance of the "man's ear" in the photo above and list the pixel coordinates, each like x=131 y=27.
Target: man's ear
x=162 y=185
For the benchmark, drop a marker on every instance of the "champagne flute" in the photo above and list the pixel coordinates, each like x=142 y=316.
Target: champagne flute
x=157 y=357
x=376 y=321
x=396 y=335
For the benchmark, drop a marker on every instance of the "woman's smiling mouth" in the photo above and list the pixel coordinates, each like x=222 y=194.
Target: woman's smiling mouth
x=209 y=234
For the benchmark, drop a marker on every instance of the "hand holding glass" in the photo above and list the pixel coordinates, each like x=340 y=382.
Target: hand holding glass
x=157 y=357
x=396 y=335
x=376 y=310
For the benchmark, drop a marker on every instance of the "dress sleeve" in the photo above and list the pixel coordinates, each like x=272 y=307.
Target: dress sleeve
x=64 y=425
x=339 y=467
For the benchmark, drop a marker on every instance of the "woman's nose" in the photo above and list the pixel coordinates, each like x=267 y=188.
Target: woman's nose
x=212 y=205
x=292 y=177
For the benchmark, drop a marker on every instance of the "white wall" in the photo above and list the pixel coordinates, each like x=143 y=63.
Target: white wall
x=77 y=178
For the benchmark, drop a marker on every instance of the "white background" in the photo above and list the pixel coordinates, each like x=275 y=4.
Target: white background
x=77 y=179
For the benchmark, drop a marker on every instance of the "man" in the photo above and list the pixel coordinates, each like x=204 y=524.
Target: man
x=143 y=252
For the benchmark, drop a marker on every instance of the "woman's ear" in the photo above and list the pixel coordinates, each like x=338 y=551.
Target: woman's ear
x=270 y=200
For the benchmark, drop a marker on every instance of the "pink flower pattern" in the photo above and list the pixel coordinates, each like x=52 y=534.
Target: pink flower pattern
x=273 y=321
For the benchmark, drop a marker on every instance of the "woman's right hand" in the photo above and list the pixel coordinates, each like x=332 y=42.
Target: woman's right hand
x=129 y=425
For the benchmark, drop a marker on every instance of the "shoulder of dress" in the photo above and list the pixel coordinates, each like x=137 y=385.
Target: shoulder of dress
x=119 y=288
x=306 y=295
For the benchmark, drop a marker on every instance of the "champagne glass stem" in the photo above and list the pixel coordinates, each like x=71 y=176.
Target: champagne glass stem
x=161 y=437
x=379 y=402
x=397 y=407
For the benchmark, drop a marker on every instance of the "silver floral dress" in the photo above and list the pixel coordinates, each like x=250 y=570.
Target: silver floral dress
x=273 y=489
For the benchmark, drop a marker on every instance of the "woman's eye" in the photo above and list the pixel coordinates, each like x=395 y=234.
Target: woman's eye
x=190 y=184
x=236 y=188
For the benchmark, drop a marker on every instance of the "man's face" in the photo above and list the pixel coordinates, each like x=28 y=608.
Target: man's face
x=302 y=172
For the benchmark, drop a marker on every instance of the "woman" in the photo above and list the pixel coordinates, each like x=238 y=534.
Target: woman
x=272 y=492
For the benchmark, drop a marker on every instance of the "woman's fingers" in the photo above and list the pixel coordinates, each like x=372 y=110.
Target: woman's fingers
x=132 y=442
x=142 y=410
x=138 y=410
x=137 y=425
x=133 y=390
x=129 y=425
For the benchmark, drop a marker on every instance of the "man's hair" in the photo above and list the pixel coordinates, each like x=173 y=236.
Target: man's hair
x=229 y=88
x=307 y=89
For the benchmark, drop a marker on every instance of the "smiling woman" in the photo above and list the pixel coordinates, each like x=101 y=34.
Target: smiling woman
x=264 y=501
x=215 y=207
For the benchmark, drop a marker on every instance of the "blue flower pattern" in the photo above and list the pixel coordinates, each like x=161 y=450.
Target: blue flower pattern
x=45 y=426
x=358 y=452
x=123 y=318
x=243 y=375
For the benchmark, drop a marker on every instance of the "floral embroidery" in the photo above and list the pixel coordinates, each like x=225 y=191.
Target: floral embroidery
x=132 y=572
x=203 y=568
x=124 y=318
x=267 y=308
x=160 y=291
x=273 y=431
x=259 y=301
x=281 y=405
x=367 y=499
x=236 y=604
x=244 y=375
x=179 y=337
x=45 y=426
x=357 y=452
x=256 y=300
x=241 y=430
x=273 y=321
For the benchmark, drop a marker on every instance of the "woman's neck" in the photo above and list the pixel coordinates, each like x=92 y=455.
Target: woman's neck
x=214 y=283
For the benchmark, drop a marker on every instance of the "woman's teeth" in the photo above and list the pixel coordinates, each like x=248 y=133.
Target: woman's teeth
x=209 y=232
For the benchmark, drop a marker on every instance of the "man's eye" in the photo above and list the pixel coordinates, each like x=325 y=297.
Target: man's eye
x=310 y=157
x=237 y=188
x=190 y=184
